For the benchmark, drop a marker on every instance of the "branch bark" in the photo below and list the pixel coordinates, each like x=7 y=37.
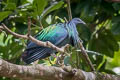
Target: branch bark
x=43 y=72
x=84 y=53
x=112 y=0
x=69 y=10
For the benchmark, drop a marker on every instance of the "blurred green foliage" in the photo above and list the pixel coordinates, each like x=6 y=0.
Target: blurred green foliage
x=102 y=33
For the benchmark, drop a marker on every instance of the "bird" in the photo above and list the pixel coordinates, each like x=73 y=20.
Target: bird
x=58 y=34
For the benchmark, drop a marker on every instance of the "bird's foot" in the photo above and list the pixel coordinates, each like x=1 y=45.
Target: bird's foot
x=65 y=47
x=53 y=55
x=60 y=58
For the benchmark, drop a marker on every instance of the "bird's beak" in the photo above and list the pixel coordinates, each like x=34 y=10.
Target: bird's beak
x=82 y=22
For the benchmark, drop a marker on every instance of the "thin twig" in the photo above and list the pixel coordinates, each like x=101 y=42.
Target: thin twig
x=65 y=19
x=84 y=53
x=69 y=10
x=45 y=44
x=41 y=26
x=29 y=25
x=13 y=33
x=1 y=28
x=92 y=52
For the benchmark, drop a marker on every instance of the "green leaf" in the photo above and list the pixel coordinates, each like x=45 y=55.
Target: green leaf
x=1 y=39
x=12 y=1
x=115 y=27
x=10 y=48
x=87 y=14
x=114 y=62
x=66 y=60
x=116 y=6
x=84 y=32
x=10 y=6
x=39 y=6
x=104 y=43
x=53 y=7
x=4 y=14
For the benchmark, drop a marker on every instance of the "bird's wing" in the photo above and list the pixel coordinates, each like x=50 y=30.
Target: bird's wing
x=56 y=35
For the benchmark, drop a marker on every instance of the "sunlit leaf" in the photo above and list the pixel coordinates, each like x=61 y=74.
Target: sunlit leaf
x=53 y=7
x=114 y=62
x=39 y=6
x=10 y=6
x=4 y=14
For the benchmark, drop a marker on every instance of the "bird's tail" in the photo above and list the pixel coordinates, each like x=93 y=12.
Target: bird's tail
x=31 y=55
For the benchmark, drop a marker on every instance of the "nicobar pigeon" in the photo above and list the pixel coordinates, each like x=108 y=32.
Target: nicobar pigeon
x=58 y=34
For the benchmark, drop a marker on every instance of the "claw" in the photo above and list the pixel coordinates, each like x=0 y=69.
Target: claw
x=65 y=47
x=54 y=55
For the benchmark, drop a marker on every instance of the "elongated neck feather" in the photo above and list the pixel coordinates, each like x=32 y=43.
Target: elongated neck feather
x=71 y=27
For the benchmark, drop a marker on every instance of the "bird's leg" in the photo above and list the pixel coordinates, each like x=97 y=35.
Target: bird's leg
x=65 y=47
x=60 y=58
x=54 y=55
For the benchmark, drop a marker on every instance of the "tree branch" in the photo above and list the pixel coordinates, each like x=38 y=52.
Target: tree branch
x=29 y=26
x=69 y=10
x=29 y=37
x=43 y=72
x=112 y=0
x=84 y=53
x=13 y=33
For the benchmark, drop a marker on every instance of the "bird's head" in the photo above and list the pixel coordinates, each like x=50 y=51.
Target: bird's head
x=77 y=21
